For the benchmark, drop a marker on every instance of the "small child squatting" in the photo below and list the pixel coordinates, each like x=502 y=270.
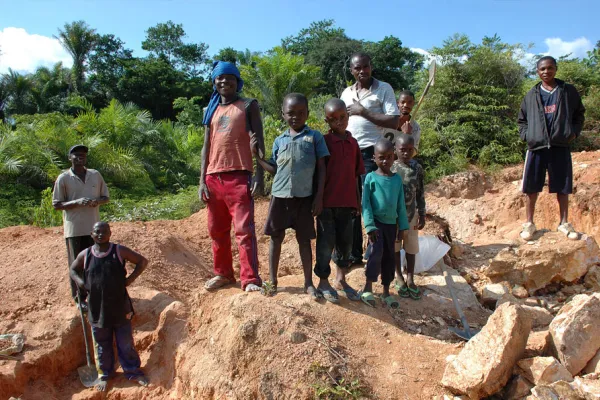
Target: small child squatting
x=100 y=271
x=412 y=176
x=298 y=156
x=384 y=214
x=341 y=203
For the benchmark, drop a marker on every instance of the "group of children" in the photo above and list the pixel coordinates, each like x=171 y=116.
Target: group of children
x=316 y=175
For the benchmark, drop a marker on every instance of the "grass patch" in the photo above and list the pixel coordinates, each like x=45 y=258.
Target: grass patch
x=329 y=387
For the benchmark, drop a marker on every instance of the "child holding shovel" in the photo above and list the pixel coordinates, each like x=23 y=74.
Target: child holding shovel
x=100 y=271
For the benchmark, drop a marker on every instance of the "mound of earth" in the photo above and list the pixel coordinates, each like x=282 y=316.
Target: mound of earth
x=232 y=344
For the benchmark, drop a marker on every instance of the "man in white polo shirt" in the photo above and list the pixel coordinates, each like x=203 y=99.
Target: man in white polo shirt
x=79 y=192
x=372 y=108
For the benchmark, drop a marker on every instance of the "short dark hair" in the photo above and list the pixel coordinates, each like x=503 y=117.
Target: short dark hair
x=293 y=97
x=360 y=55
x=406 y=92
x=384 y=145
x=546 y=58
x=405 y=139
x=334 y=104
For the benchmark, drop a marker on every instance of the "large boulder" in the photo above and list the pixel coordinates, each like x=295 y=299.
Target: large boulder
x=492 y=293
x=485 y=364
x=592 y=279
x=540 y=317
x=551 y=258
x=588 y=389
x=560 y=390
x=538 y=344
x=575 y=332
x=543 y=370
x=518 y=388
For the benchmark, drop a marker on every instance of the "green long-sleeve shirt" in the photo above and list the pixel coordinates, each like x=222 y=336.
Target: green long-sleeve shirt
x=383 y=200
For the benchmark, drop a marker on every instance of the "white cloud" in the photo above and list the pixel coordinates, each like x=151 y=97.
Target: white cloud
x=25 y=52
x=577 y=48
x=428 y=56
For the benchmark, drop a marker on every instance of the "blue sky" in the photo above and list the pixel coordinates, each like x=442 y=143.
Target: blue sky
x=27 y=26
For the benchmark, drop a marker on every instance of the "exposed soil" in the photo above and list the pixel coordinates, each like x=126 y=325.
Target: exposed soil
x=230 y=344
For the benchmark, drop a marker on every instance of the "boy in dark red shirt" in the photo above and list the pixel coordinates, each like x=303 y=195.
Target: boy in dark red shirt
x=340 y=202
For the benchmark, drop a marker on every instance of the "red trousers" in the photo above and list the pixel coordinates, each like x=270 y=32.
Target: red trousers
x=231 y=200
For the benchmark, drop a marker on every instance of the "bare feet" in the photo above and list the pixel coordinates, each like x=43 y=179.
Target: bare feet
x=101 y=386
x=313 y=292
x=251 y=287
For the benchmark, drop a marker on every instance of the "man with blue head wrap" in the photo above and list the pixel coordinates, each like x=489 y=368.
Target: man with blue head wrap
x=233 y=128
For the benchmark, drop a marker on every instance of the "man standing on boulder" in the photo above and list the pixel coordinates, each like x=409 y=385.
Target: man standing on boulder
x=233 y=129
x=551 y=117
x=79 y=192
x=372 y=108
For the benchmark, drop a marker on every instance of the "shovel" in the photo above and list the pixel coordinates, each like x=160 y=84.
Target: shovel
x=466 y=333
x=88 y=374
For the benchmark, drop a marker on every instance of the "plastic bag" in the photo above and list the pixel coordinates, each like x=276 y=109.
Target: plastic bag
x=431 y=250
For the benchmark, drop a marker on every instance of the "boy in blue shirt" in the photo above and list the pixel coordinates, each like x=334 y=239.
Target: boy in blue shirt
x=298 y=153
x=384 y=215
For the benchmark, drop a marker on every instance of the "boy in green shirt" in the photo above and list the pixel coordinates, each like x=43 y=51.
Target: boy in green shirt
x=384 y=215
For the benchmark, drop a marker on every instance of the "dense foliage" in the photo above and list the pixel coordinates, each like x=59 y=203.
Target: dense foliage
x=141 y=116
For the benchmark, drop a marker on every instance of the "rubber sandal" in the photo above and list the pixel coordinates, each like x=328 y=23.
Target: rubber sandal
x=315 y=294
x=351 y=294
x=391 y=302
x=142 y=381
x=331 y=296
x=414 y=294
x=402 y=290
x=368 y=299
x=217 y=282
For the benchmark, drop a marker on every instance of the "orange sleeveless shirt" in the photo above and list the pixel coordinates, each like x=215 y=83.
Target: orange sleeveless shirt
x=229 y=140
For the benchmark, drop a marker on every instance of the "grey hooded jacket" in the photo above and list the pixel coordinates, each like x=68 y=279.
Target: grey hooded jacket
x=567 y=122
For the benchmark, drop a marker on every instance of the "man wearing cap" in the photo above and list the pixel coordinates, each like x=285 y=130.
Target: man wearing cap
x=78 y=192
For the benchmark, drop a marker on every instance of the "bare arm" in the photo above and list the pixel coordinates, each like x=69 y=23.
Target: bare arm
x=76 y=269
x=321 y=173
x=257 y=141
x=383 y=120
x=267 y=166
x=69 y=205
x=202 y=189
x=135 y=258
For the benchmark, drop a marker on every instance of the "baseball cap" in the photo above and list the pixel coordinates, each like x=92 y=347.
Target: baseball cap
x=78 y=147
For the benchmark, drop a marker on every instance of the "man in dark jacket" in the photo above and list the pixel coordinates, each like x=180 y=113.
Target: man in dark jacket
x=551 y=117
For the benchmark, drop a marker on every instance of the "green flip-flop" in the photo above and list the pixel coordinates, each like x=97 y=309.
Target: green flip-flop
x=415 y=293
x=368 y=299
x=402 y=289
x=391 y=302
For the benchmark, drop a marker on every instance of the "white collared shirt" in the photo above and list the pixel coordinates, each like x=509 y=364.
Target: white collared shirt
x=379 y=98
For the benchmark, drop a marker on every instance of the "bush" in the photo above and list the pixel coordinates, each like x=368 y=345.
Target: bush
x=45 y=215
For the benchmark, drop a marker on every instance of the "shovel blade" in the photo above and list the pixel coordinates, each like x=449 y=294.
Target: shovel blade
x=88 y=375
x=464 y=335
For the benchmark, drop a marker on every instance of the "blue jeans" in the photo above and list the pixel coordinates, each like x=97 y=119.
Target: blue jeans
x=357 y=238
x=334 y=232
x=103 y=351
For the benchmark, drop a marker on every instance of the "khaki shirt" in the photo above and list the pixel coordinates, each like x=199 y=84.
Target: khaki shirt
x=68 y=186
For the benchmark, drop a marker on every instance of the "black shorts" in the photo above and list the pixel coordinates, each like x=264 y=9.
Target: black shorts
x=295 y=213
x=555 y=160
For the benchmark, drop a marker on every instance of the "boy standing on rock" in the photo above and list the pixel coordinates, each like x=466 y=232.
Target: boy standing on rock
x=79 y=192
x=100 y=272
x=233 y=129
x=551 y=117
x=298 y=157
x=412 y=176
x=340 y=202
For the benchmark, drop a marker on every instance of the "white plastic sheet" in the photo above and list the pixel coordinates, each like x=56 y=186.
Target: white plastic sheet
x=431 y=250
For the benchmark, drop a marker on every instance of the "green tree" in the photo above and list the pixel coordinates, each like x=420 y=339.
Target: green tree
x=78 y=39
x=394 y=63
x=276 y=74
x=166 y=40
x=107 y=66
x=50 y=88
x=18 y=95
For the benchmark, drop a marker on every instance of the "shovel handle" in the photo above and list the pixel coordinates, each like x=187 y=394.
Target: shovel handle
x=85 y=337
x=461 y=315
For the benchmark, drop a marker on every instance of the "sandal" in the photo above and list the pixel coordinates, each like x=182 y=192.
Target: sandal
x=217 y=282
x=402 y=289
x=142 y=381
x=414 y=293
x=391 y=302
x=314 y=293
x=368 y=298
x=331 y=296
x=351 y=294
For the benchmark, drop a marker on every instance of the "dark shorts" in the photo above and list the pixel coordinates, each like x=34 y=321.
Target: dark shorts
x=295 y=213
x=555 y=160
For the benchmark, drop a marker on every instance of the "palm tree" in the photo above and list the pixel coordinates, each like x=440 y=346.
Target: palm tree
x=79 y=40
x=17 y=90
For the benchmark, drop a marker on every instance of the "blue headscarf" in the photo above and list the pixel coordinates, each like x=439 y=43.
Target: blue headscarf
x=220 y=68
